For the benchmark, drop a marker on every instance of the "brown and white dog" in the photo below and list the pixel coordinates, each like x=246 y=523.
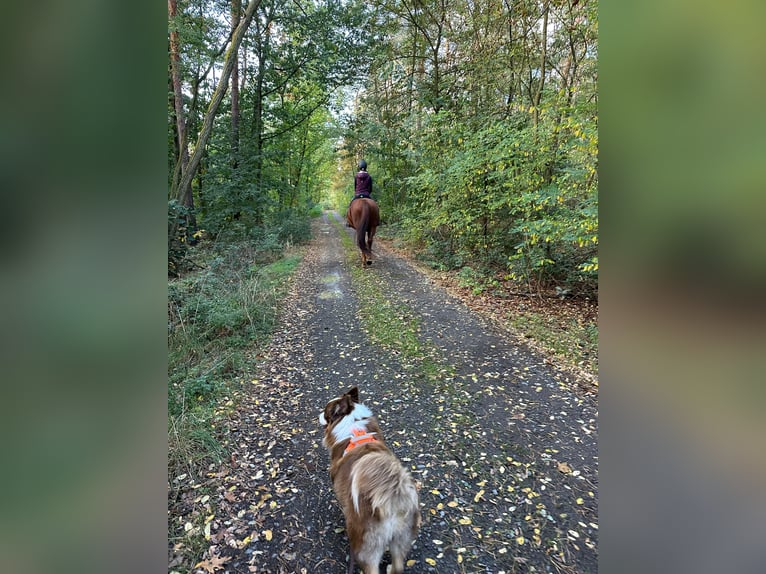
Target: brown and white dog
x=378 y=495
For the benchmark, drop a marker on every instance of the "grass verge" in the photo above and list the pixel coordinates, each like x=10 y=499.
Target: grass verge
x=216 y=318
x=395 y=324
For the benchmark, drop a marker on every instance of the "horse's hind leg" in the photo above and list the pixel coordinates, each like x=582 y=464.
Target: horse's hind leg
x=369 y=247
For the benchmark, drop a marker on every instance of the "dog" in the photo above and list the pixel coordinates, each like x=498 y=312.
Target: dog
x=378 y=495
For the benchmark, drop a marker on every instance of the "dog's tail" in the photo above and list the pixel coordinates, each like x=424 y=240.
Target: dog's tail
x=387 y=484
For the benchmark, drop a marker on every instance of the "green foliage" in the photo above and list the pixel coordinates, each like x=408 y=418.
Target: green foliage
x=282 y=157
x=180 y=236
x=477 y=282
x=216 y=318
x=480 y=162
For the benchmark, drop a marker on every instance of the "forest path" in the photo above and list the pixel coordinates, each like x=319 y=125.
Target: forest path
x=504 y=446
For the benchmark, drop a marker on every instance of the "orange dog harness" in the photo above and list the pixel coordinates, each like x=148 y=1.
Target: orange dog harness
x=361 y=436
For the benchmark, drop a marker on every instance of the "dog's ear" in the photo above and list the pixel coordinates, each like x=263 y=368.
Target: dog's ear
x=354 y=394
x=342 y=407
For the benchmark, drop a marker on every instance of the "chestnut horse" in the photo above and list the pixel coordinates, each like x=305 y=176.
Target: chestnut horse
x=363 y=215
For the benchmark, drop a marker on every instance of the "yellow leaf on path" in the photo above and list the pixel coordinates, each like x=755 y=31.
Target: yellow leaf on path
x=564 y=467
x=459 y=558
x=268 y=534
x=580 y=501
x=478 y=495
x=411 y=563
x=520 y=540
x=452 y=503
x=464 y=520
x=434 y=491
x=431 y=561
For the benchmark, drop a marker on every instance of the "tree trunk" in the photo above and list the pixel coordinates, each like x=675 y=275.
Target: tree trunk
x=218 y=94
x=236 y=7
x=184 y=195
x=262 y=42
x=543 y=59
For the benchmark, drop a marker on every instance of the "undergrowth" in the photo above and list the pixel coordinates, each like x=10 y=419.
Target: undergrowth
x=575 y=342
x=217 y=317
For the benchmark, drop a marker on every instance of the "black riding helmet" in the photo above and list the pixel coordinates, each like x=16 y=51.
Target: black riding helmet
x=362 y=164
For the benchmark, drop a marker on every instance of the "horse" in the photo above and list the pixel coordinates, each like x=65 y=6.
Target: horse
x=364 y=216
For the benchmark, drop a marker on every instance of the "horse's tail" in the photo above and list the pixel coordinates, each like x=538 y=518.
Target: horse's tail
x=362 y=226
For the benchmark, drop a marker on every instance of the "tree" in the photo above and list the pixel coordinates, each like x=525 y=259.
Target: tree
x=495 y=162
x=235 y=9
x=207 y=126
x=182 y=151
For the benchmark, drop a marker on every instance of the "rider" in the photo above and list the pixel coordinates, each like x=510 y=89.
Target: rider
x=362 y=186
x=362 y=182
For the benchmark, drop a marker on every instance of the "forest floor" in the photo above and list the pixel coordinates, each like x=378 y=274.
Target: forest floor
x=502 y=439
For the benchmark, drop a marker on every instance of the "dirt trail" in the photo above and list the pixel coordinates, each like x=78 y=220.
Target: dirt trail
x=504 y=446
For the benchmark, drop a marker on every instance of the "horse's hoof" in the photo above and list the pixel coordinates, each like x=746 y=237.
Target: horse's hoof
x=368 y=262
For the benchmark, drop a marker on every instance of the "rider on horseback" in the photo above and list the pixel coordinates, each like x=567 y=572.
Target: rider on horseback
x=362 y=187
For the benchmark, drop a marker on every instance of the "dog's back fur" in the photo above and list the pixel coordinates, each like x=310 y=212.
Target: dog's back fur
x=378 y=495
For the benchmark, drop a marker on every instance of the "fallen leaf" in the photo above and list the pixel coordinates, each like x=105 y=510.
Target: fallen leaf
x=268 y=534
x=564 y=467
x=213 y=563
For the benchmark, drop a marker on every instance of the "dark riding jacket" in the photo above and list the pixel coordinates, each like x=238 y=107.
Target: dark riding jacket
x=362 y=184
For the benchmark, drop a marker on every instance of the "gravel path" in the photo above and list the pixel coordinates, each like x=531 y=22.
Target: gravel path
x=504 y=446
